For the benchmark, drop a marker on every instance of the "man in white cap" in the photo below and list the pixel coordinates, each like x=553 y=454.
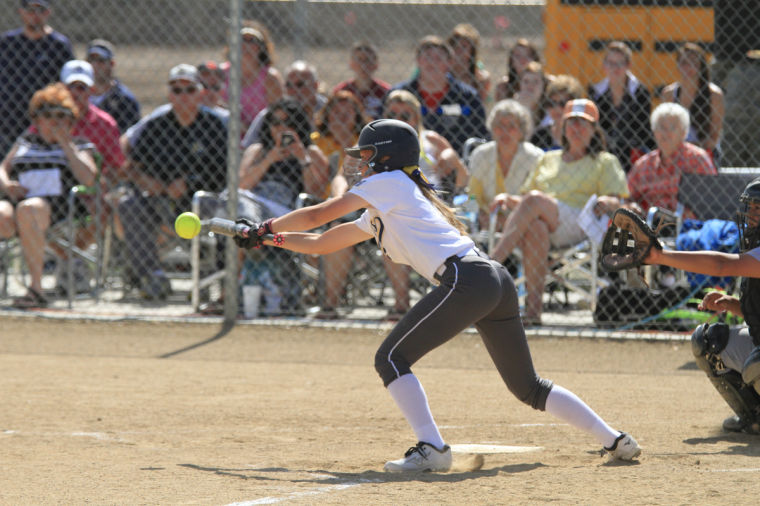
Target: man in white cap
x=179 y=150
x=30 y=58
x=93 y=123
x=108 y=92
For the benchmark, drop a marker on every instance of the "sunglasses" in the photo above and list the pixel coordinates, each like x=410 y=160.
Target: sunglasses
x=296 y=84
x=275 y=121
x=54 y=115
x=36 y=9
x=77 y=86
x=403 y=116
x=555 y=103
x=188 y=90
x=213 y=87
x=97 y=59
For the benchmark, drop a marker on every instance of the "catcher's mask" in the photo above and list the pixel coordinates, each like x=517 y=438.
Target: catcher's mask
x=749 y=224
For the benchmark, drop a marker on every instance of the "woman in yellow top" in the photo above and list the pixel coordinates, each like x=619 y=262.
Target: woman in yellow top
x=337 y=128
x=546 y=212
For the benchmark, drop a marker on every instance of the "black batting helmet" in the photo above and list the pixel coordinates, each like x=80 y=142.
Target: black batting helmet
x=749 y=235
x=395 y=144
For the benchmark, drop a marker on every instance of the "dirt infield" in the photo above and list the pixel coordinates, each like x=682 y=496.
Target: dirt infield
x=146 y=413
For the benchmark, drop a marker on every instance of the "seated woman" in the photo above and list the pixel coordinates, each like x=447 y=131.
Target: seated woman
x=552 y=197
x=438 y=160
x=439 y=163
x=274 y=171
x=35 y=177
x=655 y=177
x=548 y=133
x=337 y=128
x=501 y=166
x=703 y=99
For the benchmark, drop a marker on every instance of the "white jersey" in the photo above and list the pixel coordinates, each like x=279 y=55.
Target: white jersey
x=406 y=225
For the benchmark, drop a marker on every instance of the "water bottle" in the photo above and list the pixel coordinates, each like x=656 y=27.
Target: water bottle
x=471 y=210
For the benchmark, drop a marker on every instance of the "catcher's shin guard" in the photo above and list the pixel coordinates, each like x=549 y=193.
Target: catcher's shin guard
x=707 y=342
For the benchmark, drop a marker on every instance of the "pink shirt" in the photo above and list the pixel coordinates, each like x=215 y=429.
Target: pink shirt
x=253 y=98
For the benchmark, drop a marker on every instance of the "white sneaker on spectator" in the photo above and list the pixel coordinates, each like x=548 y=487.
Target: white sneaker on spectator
x=421 y=457
x=624 y=448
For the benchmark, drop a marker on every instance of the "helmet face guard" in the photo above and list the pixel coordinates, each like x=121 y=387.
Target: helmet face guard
x=749 y=222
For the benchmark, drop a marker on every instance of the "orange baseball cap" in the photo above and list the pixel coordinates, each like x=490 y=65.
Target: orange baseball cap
x=581 y=108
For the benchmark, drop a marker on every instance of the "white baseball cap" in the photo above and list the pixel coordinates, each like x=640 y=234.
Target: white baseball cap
x=184 y=71
x=77 y=70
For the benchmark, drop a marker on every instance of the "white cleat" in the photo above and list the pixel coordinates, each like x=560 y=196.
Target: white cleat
x=624 y=448
x=422 y=457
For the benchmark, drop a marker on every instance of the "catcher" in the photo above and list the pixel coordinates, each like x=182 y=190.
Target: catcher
x=729 y=356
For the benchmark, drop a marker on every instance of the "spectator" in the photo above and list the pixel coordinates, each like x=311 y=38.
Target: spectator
x=261 y=83
x=301 y=84
x=521 y=54
x=703 y=99
x=449 y=106
x=465 y=64
x=548 y=134
x=108 y=93
x=35 y=176
x=93 y=123
x=31 y=57
x=533 y=82
x=655 y=177
x=101 y=129
x=367 y=88
x=735 y=67
x=273 y=172
x=501 y=166
x=546 y=212
x=212 y=80
x=624 y=107
x=178 y=152
x=337 y=128
x=438 y=160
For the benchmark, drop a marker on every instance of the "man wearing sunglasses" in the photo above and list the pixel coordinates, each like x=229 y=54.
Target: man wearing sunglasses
x=179 y=150
x=108 y=93
x=30 y=58
x=302 y=85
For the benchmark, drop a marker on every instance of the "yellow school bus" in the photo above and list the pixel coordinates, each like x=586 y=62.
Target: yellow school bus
x=577 y=32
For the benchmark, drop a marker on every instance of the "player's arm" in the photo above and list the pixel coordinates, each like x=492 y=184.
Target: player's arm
x=711 y=263
x=308 y=218
x=337 y=238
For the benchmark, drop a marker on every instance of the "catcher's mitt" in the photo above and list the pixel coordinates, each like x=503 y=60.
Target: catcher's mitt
x=617 y=251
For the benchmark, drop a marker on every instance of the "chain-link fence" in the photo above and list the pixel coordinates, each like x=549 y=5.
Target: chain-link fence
x=311 y=74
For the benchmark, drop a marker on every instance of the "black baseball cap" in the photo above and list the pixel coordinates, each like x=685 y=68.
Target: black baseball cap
x=44 y=3
x=100 y=47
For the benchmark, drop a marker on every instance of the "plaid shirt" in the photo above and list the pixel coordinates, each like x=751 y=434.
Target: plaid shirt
x=653 y=182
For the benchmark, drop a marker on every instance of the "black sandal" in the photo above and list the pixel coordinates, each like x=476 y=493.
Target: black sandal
x=33 y=299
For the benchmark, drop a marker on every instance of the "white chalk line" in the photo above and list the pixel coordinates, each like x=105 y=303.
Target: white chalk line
x=326 y=489
x=489 y=449
x=737 y=470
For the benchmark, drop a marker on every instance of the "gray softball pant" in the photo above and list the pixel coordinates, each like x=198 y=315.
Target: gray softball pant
x=472 y=290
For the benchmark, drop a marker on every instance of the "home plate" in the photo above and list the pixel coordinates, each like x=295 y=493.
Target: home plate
x=491 y=449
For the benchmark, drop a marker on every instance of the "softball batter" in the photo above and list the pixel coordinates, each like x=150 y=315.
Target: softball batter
x=412 y=226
